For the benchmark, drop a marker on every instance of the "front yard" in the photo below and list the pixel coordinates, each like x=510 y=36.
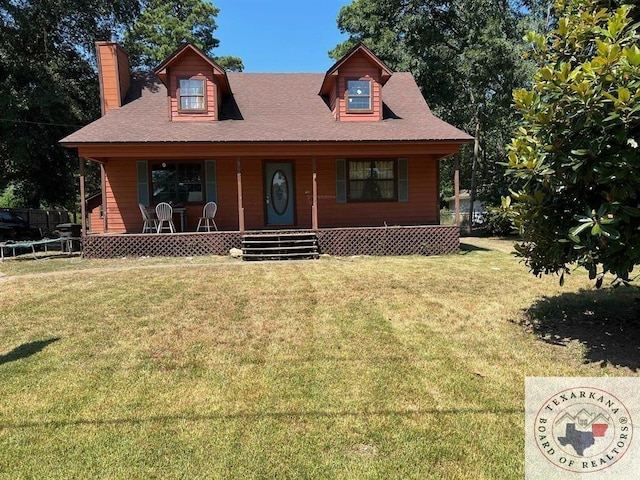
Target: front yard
x=403 y=367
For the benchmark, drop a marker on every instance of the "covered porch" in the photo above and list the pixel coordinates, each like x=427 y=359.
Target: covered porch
x=284 y=190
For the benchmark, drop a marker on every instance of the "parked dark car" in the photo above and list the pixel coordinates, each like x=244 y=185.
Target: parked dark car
x=14 y=227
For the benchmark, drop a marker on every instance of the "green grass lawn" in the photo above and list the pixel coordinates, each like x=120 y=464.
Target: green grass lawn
x=342 y=368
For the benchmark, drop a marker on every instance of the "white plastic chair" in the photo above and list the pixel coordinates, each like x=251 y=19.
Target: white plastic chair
x=164 y=212
x=150 y=224
x=206 y=221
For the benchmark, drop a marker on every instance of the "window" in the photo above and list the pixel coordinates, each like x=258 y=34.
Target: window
x=358 y=95
x=176 y=182
x=192 y=94
x=372 y=180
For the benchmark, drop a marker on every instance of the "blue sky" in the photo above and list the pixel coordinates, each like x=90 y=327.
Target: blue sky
x=279 y=35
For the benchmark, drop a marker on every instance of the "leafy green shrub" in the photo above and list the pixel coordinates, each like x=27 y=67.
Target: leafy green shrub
x=576 y=153
x=500 y=221
x=8 y=198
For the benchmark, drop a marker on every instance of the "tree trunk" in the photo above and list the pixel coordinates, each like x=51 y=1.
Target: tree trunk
x=474 y=167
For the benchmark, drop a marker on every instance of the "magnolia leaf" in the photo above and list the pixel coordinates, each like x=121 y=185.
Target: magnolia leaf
x=599 y=282
x=580 y=152
x=575 y=231
x=573 y=238
x=624 y=95
x=609 y=232
x=546 y=73
x=633 y=55
x=603 y=48
x=602 y=210
x=614 y=53
x=615 y=26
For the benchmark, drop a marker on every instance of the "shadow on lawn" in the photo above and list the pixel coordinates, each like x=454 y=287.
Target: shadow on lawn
x=26 y=350
x=606 y=322
x=467 y=247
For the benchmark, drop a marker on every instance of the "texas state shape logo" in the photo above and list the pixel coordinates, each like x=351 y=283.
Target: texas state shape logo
x=583 y=429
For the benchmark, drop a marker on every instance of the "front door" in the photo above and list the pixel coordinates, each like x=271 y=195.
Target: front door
x=279 y=196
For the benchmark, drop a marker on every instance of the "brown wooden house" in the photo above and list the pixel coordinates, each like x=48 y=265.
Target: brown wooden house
x=350 y=156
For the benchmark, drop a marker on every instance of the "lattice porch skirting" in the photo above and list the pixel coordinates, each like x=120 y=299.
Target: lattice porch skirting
x=396 y=240
x=415 y=240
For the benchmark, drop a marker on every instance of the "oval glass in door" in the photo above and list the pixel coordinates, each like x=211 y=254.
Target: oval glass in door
x=279 y=192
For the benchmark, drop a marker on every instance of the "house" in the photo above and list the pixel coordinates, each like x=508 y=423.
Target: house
x=464 y=208
x=351 y=155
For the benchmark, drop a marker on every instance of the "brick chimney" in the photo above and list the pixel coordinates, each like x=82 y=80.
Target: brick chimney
x=113 y=73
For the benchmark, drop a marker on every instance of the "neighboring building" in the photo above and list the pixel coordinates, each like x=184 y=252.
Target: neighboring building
x=356 y=146
x=479 y=207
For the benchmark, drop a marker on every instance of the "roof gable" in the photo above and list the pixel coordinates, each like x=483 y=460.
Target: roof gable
x=219 y=73
x=333 y=72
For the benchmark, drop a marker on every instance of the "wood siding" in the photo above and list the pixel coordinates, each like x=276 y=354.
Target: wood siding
x=124 y=73
x=95 y=221
x=422 y=206
x=113 y=72
x=359 y=67
x=123 y=215
x=191 y=65
x=333 y=101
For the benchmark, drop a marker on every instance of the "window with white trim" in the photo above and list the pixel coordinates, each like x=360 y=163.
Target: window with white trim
x=359 y=96
x=192 y=95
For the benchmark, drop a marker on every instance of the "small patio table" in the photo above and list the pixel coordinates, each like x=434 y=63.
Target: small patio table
x=182 y=211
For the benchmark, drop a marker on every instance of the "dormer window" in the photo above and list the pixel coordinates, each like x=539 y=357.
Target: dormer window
x=358 y=96
x=192 y=95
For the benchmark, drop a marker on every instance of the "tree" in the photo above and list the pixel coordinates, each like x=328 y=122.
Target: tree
x=576 y=154
x=466 y=58
x=49 y=88
x=164 y=25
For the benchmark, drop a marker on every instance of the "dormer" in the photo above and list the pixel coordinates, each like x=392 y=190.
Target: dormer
x=353 y=86
x=195 y=85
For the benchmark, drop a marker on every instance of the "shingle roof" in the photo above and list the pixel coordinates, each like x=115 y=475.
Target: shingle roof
x=269 y=107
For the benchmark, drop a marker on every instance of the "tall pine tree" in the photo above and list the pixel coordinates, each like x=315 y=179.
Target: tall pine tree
x=165 y=24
